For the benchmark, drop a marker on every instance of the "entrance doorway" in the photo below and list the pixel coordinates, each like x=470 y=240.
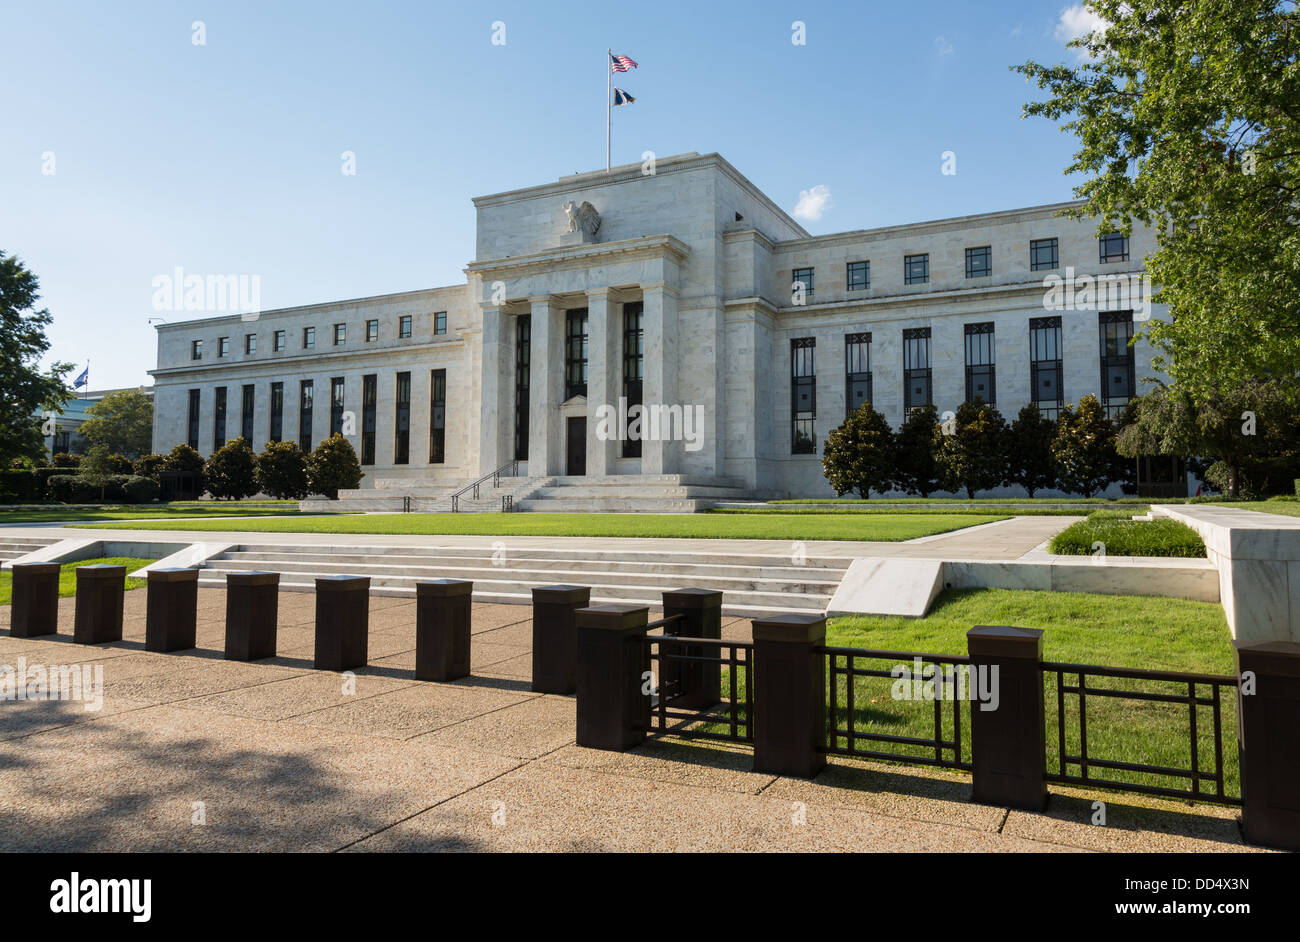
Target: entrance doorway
x=576 y=465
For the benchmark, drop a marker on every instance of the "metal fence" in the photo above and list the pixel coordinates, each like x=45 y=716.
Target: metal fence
x=703 y=687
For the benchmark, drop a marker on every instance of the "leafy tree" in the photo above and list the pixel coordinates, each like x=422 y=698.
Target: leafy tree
x=184 y=459
x=98 y=468
x=1029 y=451
x=859 y=455
x=1084 y=449
x=64 y=460
x=149 y=466
x=1187 y=119
x=25 y=391
x=231 y=471
x=282 y=471
x=916 y=471
x=123 y=421
x=974 y=457
x=333 y=466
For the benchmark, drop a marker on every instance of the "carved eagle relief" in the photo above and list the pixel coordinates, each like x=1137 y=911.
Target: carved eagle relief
x=583 y=218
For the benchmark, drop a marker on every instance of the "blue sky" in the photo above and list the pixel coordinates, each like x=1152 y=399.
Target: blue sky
x=226 y=157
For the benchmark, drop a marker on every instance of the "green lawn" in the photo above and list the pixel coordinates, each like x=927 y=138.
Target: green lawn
x=882 y=527
x=56 y=514
x=1121 y=535
x=1290 y=508
x=999 y=511
x=68 y=575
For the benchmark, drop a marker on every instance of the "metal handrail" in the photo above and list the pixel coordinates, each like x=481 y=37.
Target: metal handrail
x=494 y=476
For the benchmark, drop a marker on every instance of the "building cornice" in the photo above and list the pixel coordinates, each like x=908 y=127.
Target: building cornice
x=315 y=357
x=320 y=308
x=582 y=256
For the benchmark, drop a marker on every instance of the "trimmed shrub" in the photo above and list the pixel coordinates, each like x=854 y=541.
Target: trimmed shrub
x=20 y=487
x=185 y=460
x=65 y=460
x=231 y=472
x=121 y=464
x=149 y=466
x=1121 y=535
x=282 y=471
x=72 y=489
x=1297 y=487
x=140 y=490
x=333 y=466
x=859 y=455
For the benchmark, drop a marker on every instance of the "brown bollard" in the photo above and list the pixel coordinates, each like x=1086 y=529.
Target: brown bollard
x=252 y=611
x=789 y=714
x=35 y=608
x=172 y=610
x=613 y=703
x=698 y=685
x=1009 y=744
x=98 y=616
x=555 y=636
x=442 y=628
x=1268 y=741
x=342 y=622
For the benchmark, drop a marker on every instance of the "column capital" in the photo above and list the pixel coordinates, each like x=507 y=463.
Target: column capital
x=538 y=299
x=665 y=287
x=597 y=294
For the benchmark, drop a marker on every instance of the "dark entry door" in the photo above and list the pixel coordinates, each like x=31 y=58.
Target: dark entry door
x=577 y=446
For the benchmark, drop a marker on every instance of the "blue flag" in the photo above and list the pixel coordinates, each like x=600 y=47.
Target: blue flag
x=83 y=379
x=622 y=98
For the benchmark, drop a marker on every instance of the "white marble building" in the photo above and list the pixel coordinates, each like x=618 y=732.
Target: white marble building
x=686 y=288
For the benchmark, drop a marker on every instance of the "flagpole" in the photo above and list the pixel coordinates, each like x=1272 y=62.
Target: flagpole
x=609 y=81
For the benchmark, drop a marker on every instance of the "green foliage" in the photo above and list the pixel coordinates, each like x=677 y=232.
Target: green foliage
x=25 y=391
x=916 y=470
x=1029 y=451
x=859 y=455
x=122 y=421
x=20 y=486
x=282 y=471
x=231 y=472
x=65 y=460
x=149 y=466
x=1187 y=120
x=140 y=490
x=184 y=460
x=974 y=457
x=332 y=467
x=98 y=467
x=1121 y=535
x=1084 y=449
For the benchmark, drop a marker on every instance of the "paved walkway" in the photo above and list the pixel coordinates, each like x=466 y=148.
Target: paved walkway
x=192 y=752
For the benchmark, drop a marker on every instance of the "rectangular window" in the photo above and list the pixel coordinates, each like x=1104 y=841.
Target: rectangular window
x=277 y=341
x=440 y=322
x=250 y=344
x=196 y=349
x=309 y=338
x=857 y=371
x=340 y=334
x=575 y=353
x=218 y=417
x=223 y=346
x=336 y=405
x=802 y=276
x=306 y=398
x=979 y=262
x=1047 y=389
x=438 y=417
x=803 y=396
x=277 y=412
x=402 y=423
x=1113 y=247
x=980 y=378
x=916 y=269
x=1117 y=379
x=859 y=276
x=916 y=367
x=246 y=414
x=372 y=331
x=1043 y=254
x=633 y=366
x=369 y=402
x=523 y=376
x=194 y=419
x=404 y=325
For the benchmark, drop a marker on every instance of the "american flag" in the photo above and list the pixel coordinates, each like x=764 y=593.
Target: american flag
x=620 y=63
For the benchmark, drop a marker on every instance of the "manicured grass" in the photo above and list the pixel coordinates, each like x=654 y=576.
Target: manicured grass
x=56 y=514
x=883 y=527
x=999 y=511
x=964 y=501
x=1289 y=507
x=1123 y=536
x=68 y=575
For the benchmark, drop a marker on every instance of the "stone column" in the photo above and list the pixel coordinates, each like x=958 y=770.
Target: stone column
x=604 y=328
x=660 y=367
x=546 y=388
x=495 y=388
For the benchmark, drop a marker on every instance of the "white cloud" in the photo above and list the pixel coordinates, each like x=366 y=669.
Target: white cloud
x=812 y=203
x=942 y=45
x=1077 y=21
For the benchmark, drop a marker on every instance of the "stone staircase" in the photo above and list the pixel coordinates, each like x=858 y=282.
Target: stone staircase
x=391 y=497
x=664 y=493
x=14 y=549
x=752 y=584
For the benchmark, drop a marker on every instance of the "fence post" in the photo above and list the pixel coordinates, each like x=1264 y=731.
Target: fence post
x=1009 y=743
x=699 y=684
x=252 y=611
x=789 y=709
x=612 y=676
x=35 y=608
x=442 y=628
x=342 y=622
x=171 y=610
x=555 y=638
x=98 y=617
x=1268 y=741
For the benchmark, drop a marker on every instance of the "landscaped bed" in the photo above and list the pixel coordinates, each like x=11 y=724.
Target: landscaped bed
x=58 y=514
x=68 y=575
x=1116 y=533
